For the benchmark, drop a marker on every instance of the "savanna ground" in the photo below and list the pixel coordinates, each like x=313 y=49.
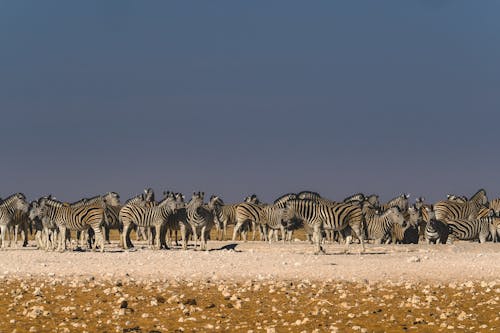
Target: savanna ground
x=253 y=286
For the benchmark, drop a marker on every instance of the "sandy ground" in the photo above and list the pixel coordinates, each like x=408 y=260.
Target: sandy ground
x=253 y=287
x=258 y=260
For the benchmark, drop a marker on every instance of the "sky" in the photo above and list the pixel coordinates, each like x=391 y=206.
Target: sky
x=237 y=97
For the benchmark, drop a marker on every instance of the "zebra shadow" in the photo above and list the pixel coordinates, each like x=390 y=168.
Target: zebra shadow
x=228 y=247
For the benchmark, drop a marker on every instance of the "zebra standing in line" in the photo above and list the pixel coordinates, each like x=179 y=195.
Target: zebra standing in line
x=247 y=213
x=275 y=218
x=320 y=216
x=458 y=210
x=379 y=226
x=436 y=231
x=21 y=222
x=400 y=201
x=457 y=198
x=464 y=229
x=407 y=233
x=75 y=218
x=8 y=208
x=146 y=217
x=357 y=198
x=177 y=220
x=200 y=218
x=225 y=215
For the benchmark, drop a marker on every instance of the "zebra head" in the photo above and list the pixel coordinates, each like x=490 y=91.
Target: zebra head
x=35 y=211
x=19 y=202
x=149 y=194
x=373 y=200
x=112 y=199
x=396 y=216
x=196 y=200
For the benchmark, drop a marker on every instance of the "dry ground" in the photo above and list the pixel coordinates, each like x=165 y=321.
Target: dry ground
x=253 y=286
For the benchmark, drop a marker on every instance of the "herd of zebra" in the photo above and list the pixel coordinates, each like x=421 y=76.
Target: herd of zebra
x=357 y=217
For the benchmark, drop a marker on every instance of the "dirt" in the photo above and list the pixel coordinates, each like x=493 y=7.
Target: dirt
x=253 y=286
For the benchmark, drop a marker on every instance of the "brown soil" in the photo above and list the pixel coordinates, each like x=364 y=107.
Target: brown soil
x=253 y=286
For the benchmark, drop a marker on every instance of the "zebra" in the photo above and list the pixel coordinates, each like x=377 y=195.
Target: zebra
x=177 y=220
x=320 y=216
x=457 y=210
x=355 y=198
x=273 y=217
x=308 y=195
x=147 y=217
x=436 y=231
x=464 y=229
x=224 y=216
x=379 y=226
x=400 y=201
x=46 y=230
x=495 y=205
x=409 y=233
x=111 y=203
x=75 y=218
x=252 y=199
x=8 y=208
x=200 y=218
x=247 y=213
x=21 y=222
x=456 y=198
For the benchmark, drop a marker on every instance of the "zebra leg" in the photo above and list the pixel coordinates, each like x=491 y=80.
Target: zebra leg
x=184 y=236
x=3 y=229
x=125 y=236
x=493 y=232
x=237 y=227
x=62 y=239
x=195 y=236
x=203 y=241
x=317 y=240
x=99 y=238
x=157 y=243
x=358 y=231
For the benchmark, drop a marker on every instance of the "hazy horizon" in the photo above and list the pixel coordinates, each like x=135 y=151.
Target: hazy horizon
x=234 y=98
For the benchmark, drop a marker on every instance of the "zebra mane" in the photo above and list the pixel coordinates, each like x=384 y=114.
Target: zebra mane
x=285 y=197
x=308 y=195
x=355 y=197
x=139 y=197
x=11 y=197
x=478 y=194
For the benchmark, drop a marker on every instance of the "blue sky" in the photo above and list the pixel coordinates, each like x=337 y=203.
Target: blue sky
x=234 y=97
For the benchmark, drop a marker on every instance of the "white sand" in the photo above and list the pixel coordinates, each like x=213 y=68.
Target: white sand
x=462 y=261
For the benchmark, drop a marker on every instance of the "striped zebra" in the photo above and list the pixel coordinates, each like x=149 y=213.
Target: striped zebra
x=400 y=201
x=379 y=226
x=8 y=208
x=111 y=203
x=20 y=224
x=464 y=229
x=461 y=210
x=357 y=198
x=246 y=214
x=177 y=221
x=146 y=217
x=252 y=199
x=308 y=195
x=456 y=198
x=200 y=218
x=495 y=205
x=373 y=200
x=319 y=216
x=274 y=218
x=408 y=233
x=436 y=231
x=75 y=218
x=224 y=215
x=46 y=230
